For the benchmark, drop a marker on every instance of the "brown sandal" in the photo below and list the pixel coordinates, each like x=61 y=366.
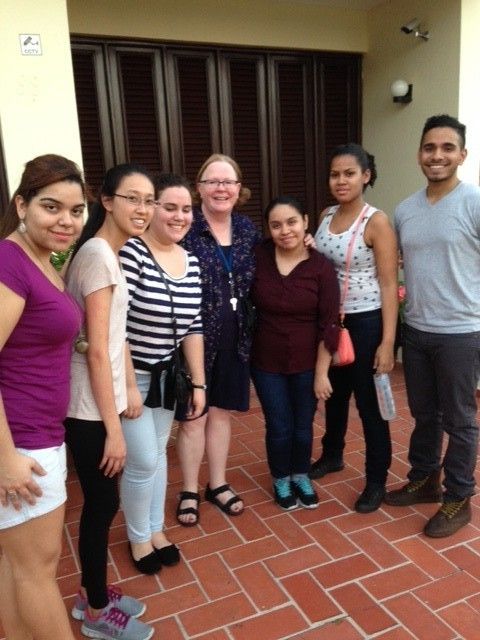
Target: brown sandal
x=188 y=495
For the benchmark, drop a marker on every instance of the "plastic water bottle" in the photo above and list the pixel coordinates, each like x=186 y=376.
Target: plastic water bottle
x=386 y=403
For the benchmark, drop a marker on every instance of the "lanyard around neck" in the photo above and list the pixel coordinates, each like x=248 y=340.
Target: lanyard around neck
x=227 y=262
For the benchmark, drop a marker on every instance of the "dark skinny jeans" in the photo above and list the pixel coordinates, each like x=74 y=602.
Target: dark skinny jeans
x=86 y=441
x=289 y=405
x=366 y=333
x=441 y=374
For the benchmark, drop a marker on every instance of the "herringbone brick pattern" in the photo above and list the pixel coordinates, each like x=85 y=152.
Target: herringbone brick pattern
x=323 y=574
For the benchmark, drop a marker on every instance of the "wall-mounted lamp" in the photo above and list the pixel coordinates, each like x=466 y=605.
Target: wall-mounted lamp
x=414 y=27
x=401 y=91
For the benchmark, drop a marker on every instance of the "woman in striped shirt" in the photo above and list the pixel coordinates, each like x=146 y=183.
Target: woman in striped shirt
x=159 y=274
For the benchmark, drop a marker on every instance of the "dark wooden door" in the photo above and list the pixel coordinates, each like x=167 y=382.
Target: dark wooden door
x=169 y=107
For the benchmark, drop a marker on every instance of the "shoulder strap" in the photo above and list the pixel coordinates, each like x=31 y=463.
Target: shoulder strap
x=348 y=259
x=164 y=280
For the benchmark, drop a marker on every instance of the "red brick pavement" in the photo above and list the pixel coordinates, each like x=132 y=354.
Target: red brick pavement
x=323 y=574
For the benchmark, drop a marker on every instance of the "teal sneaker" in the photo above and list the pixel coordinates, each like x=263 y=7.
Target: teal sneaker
x=305 y=493
x=283 y=494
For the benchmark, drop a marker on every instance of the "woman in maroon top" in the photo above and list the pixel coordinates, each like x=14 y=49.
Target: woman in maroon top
x=296 y=294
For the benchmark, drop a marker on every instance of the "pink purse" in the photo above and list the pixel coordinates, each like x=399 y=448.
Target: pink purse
x=345 y=353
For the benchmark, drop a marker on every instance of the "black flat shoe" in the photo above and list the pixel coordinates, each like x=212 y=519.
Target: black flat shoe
x=148 y=564
x=169 y=555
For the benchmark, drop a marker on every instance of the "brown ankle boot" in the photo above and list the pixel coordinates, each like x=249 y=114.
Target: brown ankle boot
x=416 y=491
x=451 y=517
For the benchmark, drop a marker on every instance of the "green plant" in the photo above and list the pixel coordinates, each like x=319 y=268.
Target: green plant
x=59 y=258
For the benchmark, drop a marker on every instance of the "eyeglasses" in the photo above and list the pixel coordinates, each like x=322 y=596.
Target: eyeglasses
x=219 y=183
x=136 y=201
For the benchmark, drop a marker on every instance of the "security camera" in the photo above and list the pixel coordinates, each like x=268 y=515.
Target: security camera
x=411 y=26
x=414 y=27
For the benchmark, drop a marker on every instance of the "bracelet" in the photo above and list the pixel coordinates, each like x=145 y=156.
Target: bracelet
x=199 y=386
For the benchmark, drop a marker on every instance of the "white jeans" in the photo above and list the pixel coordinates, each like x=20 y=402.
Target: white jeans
x=144 y=480
x=54 y=461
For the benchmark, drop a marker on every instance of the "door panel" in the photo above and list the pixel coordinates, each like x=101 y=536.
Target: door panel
x=140 y=111
x=295 y=148
x=247 y=129
x=193 y=109
x=93 y=112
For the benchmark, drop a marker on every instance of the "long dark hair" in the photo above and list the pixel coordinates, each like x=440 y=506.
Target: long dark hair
x=111 y=181
x=364 y=159
x=39 y=173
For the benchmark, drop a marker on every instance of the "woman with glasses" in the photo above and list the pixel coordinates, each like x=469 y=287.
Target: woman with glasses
x=223 y=241
x=99 y=393
x=163 y=313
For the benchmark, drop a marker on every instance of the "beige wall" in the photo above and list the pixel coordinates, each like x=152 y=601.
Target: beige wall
x=270 y=23
x=391 y=131
x=37 y=100
x=37 y=104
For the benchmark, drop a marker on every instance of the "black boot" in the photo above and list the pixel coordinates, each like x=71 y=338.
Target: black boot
x=325 y=465
x=371 y=498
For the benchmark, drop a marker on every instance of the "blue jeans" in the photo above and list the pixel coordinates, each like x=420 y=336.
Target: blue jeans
x=441 y=374
x=366 y=333
x=288 y=404
x=144 y=480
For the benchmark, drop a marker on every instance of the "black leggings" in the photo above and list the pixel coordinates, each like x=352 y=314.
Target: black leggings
x=86 y=441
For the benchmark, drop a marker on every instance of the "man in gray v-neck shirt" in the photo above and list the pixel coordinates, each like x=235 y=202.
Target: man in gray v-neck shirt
x=439 y=236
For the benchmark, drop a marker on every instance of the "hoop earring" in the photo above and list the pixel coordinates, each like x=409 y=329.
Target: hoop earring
x=22 y=228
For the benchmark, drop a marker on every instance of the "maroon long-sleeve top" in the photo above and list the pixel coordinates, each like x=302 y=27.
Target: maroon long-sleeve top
x=295 y=312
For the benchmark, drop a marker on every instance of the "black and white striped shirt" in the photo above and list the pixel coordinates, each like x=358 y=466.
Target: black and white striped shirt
x=149 y=319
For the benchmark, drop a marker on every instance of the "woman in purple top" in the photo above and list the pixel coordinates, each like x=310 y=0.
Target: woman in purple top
x=296 y=294
x=39 y=321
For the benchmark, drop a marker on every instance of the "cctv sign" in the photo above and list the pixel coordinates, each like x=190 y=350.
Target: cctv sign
x=30 y=44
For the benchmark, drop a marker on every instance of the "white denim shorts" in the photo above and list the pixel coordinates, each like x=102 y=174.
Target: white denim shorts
x=54 y=493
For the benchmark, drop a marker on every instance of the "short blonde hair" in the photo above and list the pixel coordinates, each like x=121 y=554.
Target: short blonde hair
x=245 y=192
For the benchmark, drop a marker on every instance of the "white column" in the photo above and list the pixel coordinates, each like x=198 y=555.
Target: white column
x=469 y=88
x=37 y=99
x=469 y=95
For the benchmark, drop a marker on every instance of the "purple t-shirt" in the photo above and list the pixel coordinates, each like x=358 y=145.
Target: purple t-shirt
x=35 y=360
